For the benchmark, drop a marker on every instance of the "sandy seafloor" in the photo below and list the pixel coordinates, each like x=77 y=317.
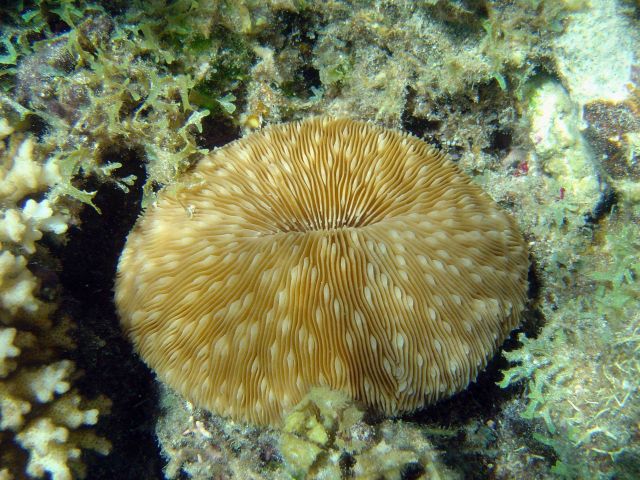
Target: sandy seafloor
x=103 y=104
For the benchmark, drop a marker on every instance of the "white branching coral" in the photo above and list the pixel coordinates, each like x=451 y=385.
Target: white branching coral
x=17 y=284
x=22 y=174
x=43 y=419
x=25 y=226
x=7 y=351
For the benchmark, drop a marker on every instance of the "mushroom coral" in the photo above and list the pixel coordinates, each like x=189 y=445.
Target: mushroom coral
x=322 y=252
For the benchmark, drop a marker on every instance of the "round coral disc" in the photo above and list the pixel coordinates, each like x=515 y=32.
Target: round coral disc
x=323 y=252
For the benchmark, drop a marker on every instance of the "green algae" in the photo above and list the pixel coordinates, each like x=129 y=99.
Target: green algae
x=581 y=370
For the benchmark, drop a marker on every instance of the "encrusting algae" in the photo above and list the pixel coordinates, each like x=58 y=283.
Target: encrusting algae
x=326 y=252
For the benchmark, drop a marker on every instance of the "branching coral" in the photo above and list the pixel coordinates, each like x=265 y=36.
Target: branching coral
x=22 y=224
x=42 y=418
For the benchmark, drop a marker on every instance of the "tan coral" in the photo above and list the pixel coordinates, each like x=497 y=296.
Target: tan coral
x=25 y=226
x=324 y=252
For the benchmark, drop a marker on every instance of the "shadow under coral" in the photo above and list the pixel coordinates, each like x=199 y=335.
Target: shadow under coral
x=465 y=426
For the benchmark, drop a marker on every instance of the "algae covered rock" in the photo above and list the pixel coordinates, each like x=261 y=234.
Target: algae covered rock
x=560 y=148
x=327 y=436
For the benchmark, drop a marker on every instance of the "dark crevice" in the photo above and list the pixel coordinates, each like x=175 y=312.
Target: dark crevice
x=346 y=462
x=88 y=266
x=295 y=32
x=311 y=77
x=500 y=141
x=216 y=132
x=297 y=27
x=412 y=471
x=418 y=126
x=603 y=207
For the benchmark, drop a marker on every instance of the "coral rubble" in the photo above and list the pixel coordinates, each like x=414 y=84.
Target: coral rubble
x=559 y=148
x=325 y=436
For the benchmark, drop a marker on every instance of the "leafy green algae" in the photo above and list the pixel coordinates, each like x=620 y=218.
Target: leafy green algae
x=142 y=81
x=582 y=369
